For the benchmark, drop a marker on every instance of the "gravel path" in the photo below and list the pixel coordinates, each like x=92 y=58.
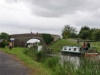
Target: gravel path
x=11 y=66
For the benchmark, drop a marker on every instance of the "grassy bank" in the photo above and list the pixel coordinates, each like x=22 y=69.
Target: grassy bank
x=37 y=68
x=58 y=45
x=50 y=65
x=86 y=66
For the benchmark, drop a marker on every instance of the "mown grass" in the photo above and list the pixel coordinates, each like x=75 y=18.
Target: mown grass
x=58 y=45
x=37 y=68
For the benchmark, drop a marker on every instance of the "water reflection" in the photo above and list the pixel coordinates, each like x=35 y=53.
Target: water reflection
x=73 y=59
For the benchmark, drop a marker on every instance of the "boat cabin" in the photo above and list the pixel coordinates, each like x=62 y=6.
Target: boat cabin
x=72 y=49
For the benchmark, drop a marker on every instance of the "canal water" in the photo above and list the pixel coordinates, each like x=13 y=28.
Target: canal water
x=73 y=59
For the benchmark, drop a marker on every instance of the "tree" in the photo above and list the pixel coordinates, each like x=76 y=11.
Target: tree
x=68 y=31
x=4 y=35
x=47 y=38
x=5 y=38
x=91 y=33
x=84 y=28
x=4 y=43
x=84 y=32
x=96 y=34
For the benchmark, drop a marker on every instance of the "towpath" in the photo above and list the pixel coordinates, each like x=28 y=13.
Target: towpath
x=11 y=66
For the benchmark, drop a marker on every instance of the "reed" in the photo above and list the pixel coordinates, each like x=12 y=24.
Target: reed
x=87 y=66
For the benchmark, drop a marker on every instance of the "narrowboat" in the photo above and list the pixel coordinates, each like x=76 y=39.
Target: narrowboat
x=78 y=50
x=73 y=50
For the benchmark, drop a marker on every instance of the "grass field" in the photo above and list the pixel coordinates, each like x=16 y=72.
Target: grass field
x=37 y=68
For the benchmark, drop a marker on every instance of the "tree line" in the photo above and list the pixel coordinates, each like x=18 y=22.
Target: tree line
x=85 y=32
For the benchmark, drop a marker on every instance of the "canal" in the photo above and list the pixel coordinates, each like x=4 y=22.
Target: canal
x=74 y=59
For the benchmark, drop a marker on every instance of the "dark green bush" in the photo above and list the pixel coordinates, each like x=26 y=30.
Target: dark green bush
x=51 y=62
x=33 y=52
x=47 y=38
x=40 y=56
x=26 y=51
x=86 y=67
x=2 y=44
x=6 y=42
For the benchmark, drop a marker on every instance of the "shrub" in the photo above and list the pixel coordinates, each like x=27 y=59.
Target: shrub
x=40 y=56
x=51 y=62
x=33 y=52
x=6 y=42
x=89 y=67
x=26 y=51
x=2 y=44
x=30 y=51
x=67 y=68
x=47 y=38
x=86 y=67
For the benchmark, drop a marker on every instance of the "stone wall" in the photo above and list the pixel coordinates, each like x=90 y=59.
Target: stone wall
x=21 y=39
x=31 y=35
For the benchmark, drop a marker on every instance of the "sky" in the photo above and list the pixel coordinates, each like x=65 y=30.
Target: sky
x=47 y=16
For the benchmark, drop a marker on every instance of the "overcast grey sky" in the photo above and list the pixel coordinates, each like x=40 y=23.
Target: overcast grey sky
x=47 y=16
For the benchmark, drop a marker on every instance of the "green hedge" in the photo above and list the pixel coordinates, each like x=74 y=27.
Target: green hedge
x=47 y=38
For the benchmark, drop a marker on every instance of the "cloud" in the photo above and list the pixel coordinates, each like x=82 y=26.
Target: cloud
x=55 y=8
x=50 y=16
x=16 y=18
x=58 y=8
x=91 y=19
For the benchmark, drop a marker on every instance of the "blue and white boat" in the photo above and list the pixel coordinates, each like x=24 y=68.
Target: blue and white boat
x=78 y=50
x=72 y=50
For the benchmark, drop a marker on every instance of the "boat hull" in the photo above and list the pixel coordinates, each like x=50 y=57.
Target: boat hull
x=91 y=54
x=71 y=53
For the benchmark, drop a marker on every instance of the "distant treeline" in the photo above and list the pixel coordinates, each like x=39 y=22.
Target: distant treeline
x=84 y=33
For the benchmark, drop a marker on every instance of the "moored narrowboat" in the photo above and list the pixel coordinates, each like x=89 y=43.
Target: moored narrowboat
x=79 y=50
x=76 y=50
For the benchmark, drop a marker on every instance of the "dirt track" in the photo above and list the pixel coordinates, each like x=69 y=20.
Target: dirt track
x=11 y=66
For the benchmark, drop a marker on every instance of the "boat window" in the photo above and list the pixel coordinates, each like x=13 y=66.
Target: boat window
x=69 y=48
x=74 y=49
x=64 y=48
